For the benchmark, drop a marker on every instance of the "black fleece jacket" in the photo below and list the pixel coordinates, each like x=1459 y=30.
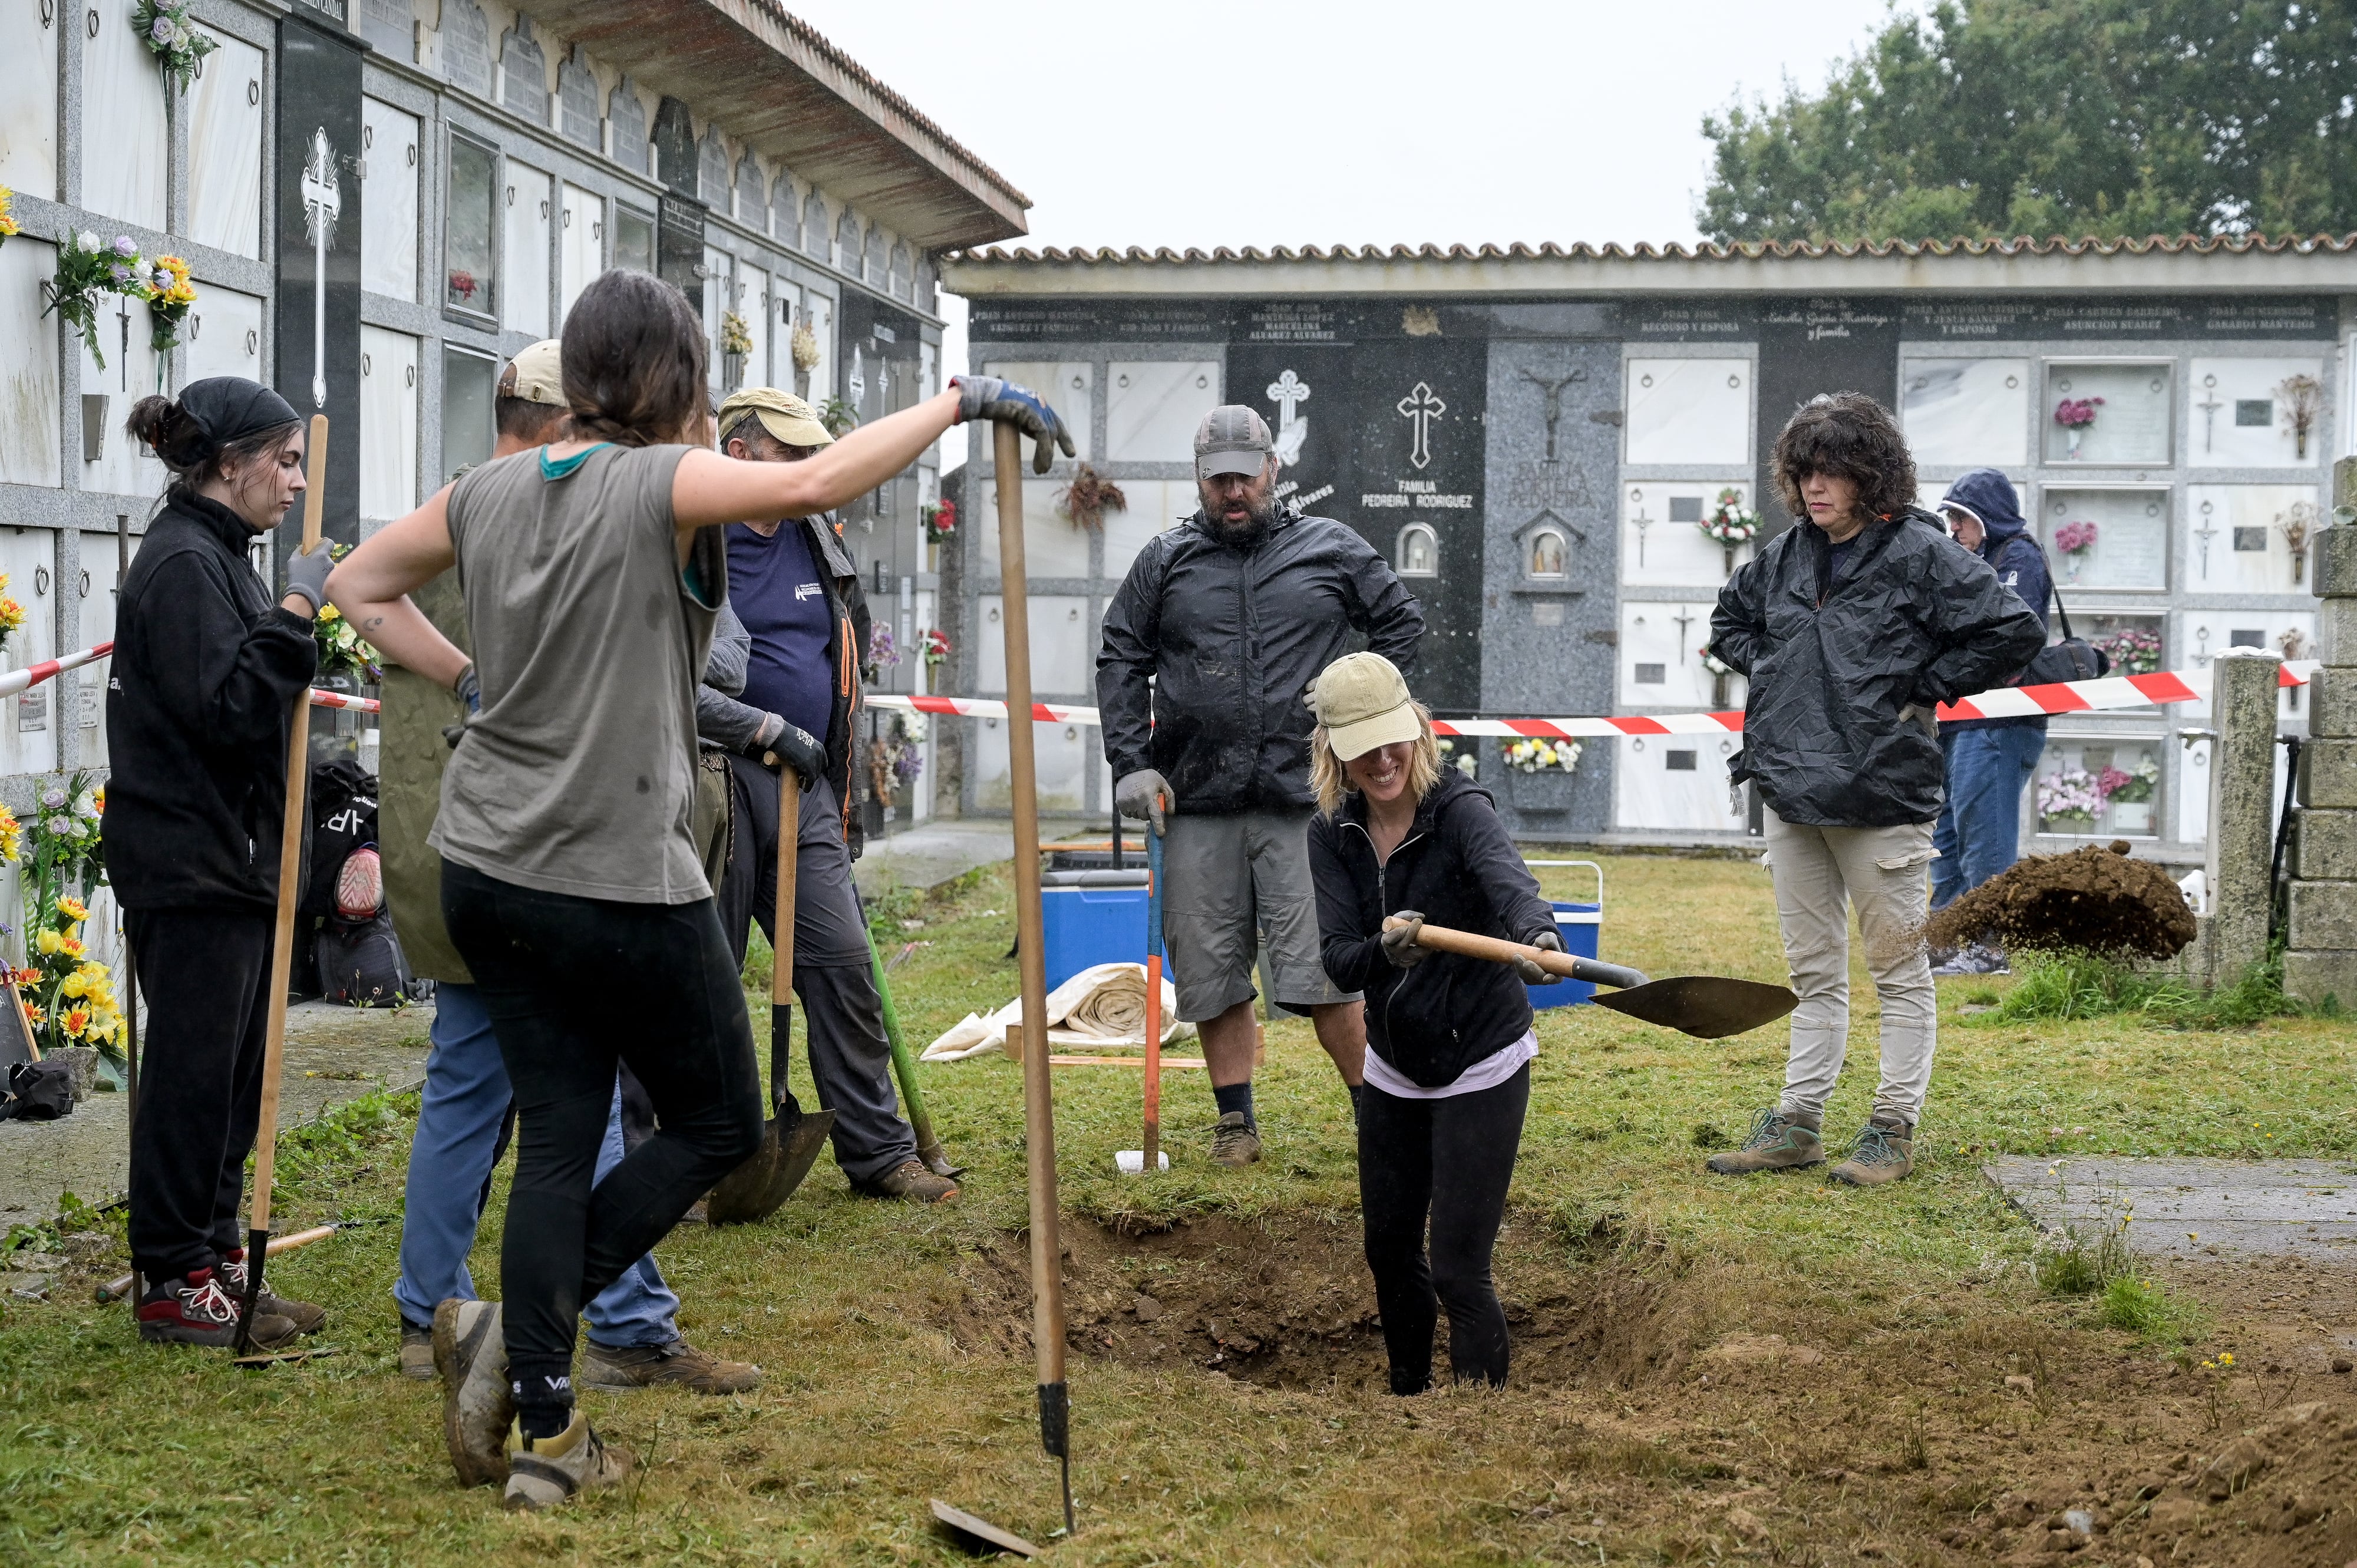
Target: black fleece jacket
x=1457 y=867
x=204 y=677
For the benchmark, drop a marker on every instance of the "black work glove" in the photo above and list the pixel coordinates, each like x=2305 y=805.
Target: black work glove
x=468 y=689
x=1005 y=403
x=1529 y=970
x=1144 y=796
x=306 y=576
x=1399 y=941
x=778 y=742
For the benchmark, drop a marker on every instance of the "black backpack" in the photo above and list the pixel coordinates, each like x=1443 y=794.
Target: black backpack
x=40 y=1091
x=343 y=818
x=360 y=962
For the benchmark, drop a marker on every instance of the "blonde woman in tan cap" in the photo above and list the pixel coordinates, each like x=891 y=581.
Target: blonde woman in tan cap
x=1449 y=1040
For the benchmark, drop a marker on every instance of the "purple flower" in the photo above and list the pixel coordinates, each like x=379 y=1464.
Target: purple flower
x=124 y=246
x=163 y=32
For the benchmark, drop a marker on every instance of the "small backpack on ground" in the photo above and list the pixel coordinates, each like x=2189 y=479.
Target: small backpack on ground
x=40 y=1091
x=343 y=818
x=361 y=963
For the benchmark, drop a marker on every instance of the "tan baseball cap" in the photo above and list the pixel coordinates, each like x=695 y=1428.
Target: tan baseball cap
x=1363 y=703
x=536 y=374
x=782 y=414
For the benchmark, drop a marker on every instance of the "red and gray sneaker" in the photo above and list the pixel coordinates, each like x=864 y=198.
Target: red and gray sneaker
x=305 y=1317
x=196 y=1310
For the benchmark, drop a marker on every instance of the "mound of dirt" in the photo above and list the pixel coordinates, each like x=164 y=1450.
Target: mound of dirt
x=2274 y=1495
x=2094 y=900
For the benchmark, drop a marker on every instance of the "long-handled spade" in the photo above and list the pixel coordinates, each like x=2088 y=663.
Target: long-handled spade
x=1707 y=1006
x=1137 y=1162
x=792 y=1139
x=904 y=1068
x=282 y=947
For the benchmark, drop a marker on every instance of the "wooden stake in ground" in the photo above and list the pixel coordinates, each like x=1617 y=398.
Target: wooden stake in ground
x=282 y=947
x=1039 y=1112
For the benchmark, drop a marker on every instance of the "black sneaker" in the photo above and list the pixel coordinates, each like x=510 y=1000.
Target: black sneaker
x=305 y=1317
x=196 y=1310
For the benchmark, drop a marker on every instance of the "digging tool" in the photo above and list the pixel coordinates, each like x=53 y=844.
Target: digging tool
x=979 y=1535
x=1708 y=1007
x=130 y=969
x=123 y=1287
x=792 y=1139
x=1137 y=1162
x=282 y=947
x=904 y=1068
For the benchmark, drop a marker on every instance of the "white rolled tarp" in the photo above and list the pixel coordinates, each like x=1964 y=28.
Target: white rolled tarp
x=1101 y=1008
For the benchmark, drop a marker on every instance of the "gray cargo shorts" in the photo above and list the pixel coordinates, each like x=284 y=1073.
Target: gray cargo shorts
x=1227 y=881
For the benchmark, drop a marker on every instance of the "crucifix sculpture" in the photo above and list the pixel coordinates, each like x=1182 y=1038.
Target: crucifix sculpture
x=1552 y=410
x=322 y=200
x=1420 y=408
x=1641 y=523
x=122 y=359
x=2210 y=413
x=2205 y=533
x=1685 y=619
x=1288 y=392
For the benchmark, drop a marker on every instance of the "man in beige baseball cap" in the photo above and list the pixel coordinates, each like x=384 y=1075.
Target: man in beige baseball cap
x=789 y=420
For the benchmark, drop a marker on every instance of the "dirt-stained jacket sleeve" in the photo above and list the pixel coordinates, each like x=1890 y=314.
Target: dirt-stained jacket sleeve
x=1352 y=956
x=1125 y=660
x=237 y=683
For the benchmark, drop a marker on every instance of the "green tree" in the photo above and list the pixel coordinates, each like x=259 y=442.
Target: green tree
x=2042 y=117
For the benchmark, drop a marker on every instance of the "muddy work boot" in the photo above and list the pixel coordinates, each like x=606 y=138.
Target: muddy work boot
x=544 y=1472
x=471 y=1351
x=1778 y=1142
x=1884 y=1151
x=621 y=1368
x=416 y=1351
x=1235 y=1141
x=910 y=1179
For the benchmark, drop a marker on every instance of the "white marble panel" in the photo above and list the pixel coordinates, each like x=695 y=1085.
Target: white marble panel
x=225 y=114
x=529 y=241
x=30 y=559
x=1966 y=413
x=2203 y=633
x=753 y=304
x=1059 y=755
x=1069 y=387
x=1152 y=407
x=126 y=467
x=223 y=334
x=2221 y=523
x=1662 y=544
x=583 y=255
x=96 y=585
x=2239 y=420
x=2192 y=792
x=720 y=288
x=1688 y=411
x=29 y=110
x=125 y=143
x=1051 y=547
x=1672 y=783
x=2134 y=423
x=30 y=426
x=389 y=376
x=1156 y=506
x=390 y=166
x=2131 y=548
x=1654 y=643
x=1063 y=648
x=819 y=310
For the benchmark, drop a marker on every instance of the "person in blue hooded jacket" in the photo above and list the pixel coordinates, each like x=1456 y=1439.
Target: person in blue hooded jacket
x=1987 y=760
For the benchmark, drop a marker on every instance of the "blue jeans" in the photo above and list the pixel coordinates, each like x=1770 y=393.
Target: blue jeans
x=465 y=1100
x=1980 y=827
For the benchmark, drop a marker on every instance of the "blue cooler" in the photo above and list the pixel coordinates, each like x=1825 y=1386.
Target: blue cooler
x=1089 y=918
x=1581 y=926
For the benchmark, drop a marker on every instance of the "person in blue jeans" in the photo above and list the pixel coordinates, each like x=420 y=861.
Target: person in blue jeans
x=1988 y=761
x=634 y=1338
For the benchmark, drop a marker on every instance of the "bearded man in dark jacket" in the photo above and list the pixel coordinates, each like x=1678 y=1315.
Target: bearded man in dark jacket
x=1210 y=647
x=1853 y=631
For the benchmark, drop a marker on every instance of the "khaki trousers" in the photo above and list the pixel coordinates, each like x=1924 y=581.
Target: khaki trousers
x=1819 y=873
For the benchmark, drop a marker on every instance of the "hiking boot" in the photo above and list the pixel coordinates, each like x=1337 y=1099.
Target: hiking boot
x=1235 y=1141
x=619 y=1369
x=909 y=1179
x=1778 y=1142
x=544 y=1472
x=471 y=1351
x=416 y=1351
x=305 y=1317
x=1884 y=1151
x=1972 y=958
x=196 y=1310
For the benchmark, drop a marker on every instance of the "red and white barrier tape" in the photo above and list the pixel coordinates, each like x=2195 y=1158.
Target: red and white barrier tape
x=17 y=681
x=2112 y=692
x=337 y=700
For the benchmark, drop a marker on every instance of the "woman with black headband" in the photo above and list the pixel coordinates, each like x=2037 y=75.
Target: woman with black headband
x=205 y=674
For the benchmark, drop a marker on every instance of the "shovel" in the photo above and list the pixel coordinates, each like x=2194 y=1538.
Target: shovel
x=1137 y=1162
x=792 y=1139
x=1706 y=1007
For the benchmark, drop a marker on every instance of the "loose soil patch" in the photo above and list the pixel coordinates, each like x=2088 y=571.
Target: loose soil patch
x=2095 y=900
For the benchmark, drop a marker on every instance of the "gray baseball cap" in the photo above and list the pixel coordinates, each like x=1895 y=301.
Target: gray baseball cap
x=1232 y=439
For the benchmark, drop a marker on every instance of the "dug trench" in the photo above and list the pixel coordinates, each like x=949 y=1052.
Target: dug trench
x=1697 y=1407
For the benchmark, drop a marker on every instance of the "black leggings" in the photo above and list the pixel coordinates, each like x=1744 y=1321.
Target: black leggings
x=1450 y=1159
x=573 y=986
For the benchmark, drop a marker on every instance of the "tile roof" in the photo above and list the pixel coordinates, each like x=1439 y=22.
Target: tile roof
x=1744 y=251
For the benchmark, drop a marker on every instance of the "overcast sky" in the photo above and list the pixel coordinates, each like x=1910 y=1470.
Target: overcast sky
x=1328 y=122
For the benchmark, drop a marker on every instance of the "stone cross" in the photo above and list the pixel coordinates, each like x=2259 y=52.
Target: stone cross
x=2210 y=416
x=1288 y=392
x=1554 y=405
x=1420 y=408
x=2205 y=533
x=1684 y=619
x=322 y=202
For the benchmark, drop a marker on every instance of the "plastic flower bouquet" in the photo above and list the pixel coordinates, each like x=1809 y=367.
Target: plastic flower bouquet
x=1730 y=521
x=1468 y=761
x=2133 y=788
x=2075 y=538
x=2068 y=795
x=341 y=650
x=736 y=337
x=87 y=268
x=7 y=218
x=2132 y=651
x=1536 y=755
x=174 y=41
x=69 y=995
x=883 y=652
x=170 y=296
x=11 y=613
x=936 y=646
x=940 y=520
x=2076 y=412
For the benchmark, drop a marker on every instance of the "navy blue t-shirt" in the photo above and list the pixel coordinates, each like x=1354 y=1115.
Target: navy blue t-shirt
x=774 y=588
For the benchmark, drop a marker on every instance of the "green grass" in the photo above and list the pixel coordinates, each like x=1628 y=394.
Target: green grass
x=2062 y=987
x=896 y=1355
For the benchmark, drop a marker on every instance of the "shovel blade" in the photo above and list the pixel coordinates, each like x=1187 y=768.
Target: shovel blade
x=1705 y=1007
x=978 y=1536
x=790 y=1143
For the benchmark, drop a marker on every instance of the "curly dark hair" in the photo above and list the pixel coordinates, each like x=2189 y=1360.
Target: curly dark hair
x=1850 y=436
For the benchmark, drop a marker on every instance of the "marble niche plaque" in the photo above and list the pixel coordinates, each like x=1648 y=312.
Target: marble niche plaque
x=1069 y=386
x=1672 y=783
x=2241 y=418
x=2130 y=550
x=2237 y=539
x=2132 y=424
x=1152 y=407
x=1688 y=411
x=1966 y=413
x=1662 y=541
x=1660 y=655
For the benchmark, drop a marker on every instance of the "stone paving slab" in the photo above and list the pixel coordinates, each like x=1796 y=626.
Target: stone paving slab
x=940 y=848
x=333 y=1054
x=2190 y=1209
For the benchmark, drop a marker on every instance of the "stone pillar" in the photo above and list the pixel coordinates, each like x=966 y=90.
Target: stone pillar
x=2243 y=685
x=2320 y=959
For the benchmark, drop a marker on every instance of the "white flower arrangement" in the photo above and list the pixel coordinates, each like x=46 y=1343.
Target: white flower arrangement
x=1536 y=755
x=1466 y=762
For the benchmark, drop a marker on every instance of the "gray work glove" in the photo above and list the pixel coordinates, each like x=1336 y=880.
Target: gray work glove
x=1144 y=796
x=1005 y=403
x=306 y=576
x=1529 y=970
x=468 y=689
x=1399 y=941
x=778 y=742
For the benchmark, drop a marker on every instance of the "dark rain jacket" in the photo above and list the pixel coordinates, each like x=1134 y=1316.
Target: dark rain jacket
x=1230 y=639
x=2012 y=554
x=1457 y=867
x=199 y=692
x=1838 y=730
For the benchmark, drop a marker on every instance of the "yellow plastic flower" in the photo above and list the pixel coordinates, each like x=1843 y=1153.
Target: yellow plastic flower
x=70 y=946
x=74 y=985
x=73 y=909
x=50 y=942
x=76 y=1021
x=12 y=835
x=7 y=222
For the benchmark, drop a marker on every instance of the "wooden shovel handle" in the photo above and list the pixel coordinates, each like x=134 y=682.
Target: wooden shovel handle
x=1497 y=950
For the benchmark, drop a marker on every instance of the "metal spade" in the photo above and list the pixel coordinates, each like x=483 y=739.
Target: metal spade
x=1707 y=1006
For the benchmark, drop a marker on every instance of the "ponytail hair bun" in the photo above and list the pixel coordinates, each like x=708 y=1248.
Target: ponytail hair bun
x=175 y=435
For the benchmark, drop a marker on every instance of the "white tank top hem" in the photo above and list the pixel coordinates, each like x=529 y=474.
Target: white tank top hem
x=1488 y=1073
